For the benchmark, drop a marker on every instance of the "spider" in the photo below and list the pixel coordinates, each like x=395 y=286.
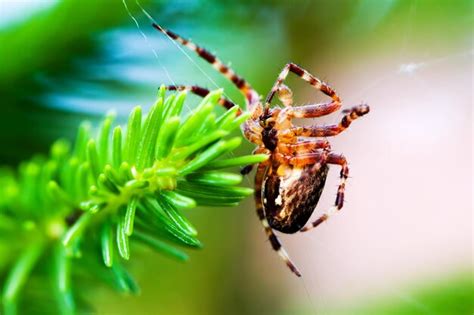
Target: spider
x=289 y=184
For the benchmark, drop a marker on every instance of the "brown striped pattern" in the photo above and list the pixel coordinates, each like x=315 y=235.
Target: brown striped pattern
x=304 y=146
x=275 y=243
x=305 y=75
x=308 y=158
x=200 y=91
x=333 y=130
x=314 y=224
x=314 y=110
x=341 y=161
x=249 y=93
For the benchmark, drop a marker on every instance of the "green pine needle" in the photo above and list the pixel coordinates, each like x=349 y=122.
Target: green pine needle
x=122 y=187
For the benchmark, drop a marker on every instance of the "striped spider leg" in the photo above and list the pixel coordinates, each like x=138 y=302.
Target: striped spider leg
x=202 y=92
x=250 y=128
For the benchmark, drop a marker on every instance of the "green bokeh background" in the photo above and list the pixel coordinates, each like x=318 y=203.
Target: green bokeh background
x=71 y=60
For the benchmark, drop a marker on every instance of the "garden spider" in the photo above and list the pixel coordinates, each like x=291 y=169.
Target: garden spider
x=289 y=184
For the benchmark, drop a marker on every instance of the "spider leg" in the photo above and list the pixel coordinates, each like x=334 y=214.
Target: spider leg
x=306 y=146
x=253 y=132
x=333 y=130
x=305 y=75
x=285 y=116
x=202 y=92
x=285 y=95
x=304 y=159
x=244 y=87
x=276 y=245
x=313 y=110
x=339 y=160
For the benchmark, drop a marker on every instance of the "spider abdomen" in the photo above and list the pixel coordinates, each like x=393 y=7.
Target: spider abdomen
x=290 y=199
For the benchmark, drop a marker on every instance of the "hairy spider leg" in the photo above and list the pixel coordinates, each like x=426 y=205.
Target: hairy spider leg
x=301 y=160
x=306 y=146
x=249 y=127
x=339 y=203
x=244 y=87
x=203 y=92
x=286 y=97
x=313 y=110
x=285 y=94
x=333 y=130
x=276 y=245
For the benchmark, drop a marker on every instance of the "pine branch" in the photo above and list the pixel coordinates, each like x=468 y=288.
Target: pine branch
x=113 y=190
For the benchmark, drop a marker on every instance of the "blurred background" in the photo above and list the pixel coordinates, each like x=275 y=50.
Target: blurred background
x=403 y=242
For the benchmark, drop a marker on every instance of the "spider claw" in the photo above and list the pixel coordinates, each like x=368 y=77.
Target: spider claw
x=293 y=268
x=282 y=253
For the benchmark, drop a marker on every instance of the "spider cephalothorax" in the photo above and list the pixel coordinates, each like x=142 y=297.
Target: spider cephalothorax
x=289 y=184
